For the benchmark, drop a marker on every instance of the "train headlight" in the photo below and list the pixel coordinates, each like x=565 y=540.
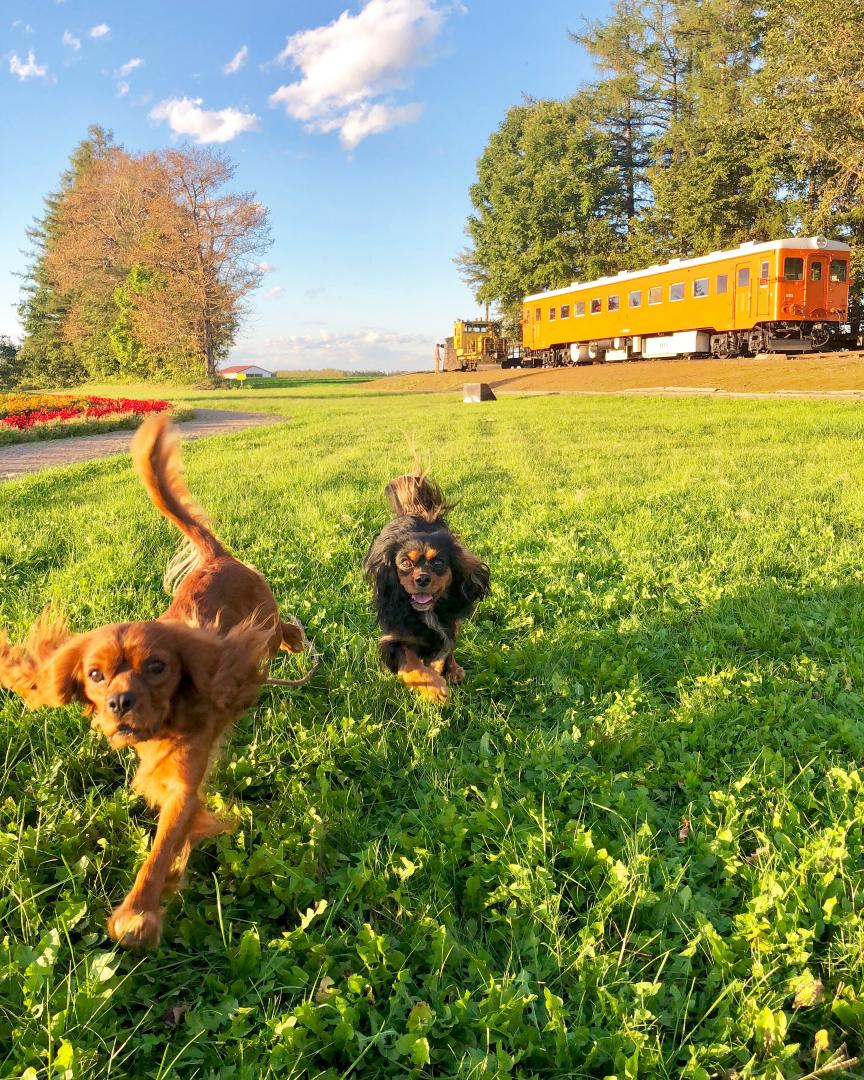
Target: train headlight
x=821 y=242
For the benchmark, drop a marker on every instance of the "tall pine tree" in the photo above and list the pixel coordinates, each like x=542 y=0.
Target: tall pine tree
x=47 y=358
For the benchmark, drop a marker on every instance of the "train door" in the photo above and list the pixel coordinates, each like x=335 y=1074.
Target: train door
x=743 y=297
x=816 y=284
x=763 y=291
x=535 y=327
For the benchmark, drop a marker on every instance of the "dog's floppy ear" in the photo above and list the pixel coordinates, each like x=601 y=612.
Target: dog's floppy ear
x=470 y=574
x=62 y=679
x=380 y=569
x=225 y=670
x=47 y=669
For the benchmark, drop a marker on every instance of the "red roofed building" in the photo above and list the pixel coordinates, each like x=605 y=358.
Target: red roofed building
x=249 y=370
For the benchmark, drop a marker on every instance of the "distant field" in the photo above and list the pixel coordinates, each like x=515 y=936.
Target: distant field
x=281 y=381
x=837 y=371
x=632 y=844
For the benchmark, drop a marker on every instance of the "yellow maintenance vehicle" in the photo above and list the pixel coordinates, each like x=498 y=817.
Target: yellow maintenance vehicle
x=474 y=341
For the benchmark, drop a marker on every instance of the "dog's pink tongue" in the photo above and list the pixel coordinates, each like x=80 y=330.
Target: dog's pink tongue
x=422 y=598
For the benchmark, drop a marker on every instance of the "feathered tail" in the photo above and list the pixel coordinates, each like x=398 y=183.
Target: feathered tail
x=416 y=495
x=156 y=458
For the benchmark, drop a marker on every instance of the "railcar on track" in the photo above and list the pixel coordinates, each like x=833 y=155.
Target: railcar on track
x=474 y=341
x=787 y=295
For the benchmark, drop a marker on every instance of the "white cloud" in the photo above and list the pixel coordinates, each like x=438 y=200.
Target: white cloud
x=71 y=41
x=122 y=88
x=28 y=69
x=186 y=117
x=354 y=60
x=100 y=31
x=237 y=61
x=277 y=290
x=363 y=349
x=373 y=119
x=266 y=268
x=130 y=66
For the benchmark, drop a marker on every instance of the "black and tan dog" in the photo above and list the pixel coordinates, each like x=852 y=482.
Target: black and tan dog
x=426 y=583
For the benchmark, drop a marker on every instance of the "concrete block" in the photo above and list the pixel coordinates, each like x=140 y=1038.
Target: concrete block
x=478 y=391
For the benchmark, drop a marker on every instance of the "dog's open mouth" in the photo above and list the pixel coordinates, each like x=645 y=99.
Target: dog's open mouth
x=124 y=733
x=422 y=601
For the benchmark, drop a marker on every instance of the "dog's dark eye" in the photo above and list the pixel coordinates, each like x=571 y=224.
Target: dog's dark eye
x=404 y=564
x=438 y=564
x=95 y=675
x=155 y=667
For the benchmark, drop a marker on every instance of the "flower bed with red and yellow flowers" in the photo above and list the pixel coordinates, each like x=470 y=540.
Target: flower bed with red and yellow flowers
x=28 y=416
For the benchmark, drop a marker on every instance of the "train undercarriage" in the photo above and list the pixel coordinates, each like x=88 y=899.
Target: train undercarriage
x=769 y=337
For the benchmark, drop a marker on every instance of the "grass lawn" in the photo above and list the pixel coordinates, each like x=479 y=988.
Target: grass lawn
x=630 y=846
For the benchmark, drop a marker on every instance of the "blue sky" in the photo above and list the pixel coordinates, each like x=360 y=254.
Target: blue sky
x=358 y=123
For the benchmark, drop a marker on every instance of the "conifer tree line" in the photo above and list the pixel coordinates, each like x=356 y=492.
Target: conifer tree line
x=710 y=123
x=140 y=267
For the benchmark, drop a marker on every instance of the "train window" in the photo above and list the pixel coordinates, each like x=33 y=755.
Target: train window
x=793 y=269
x=537 y=314
x=838 y=270
x=655 y=294
x=676 y=291
x=635 y=298
x=700 y=287
x=763 y=273
x=816 y=271
x=614 y=303
x=580 y=307
x=565 y=311
x=722 y=283
x=744 y=276
x=551 y=314
x=596 y=306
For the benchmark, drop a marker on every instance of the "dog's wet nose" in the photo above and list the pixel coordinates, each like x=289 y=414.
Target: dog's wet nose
x=422 y=580
x=121 y=703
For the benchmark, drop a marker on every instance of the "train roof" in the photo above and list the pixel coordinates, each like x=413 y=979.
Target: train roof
x=816 y=243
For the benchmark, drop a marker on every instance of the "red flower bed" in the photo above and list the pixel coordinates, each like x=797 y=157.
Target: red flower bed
x=91 y=408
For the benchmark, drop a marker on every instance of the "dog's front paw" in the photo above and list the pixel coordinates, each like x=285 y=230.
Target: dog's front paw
x=135 y=929
x=433 y=688
x=455 y=673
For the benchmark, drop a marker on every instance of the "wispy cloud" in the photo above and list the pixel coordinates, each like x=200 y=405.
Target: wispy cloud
x=130 y=66
x=266 y=268
x=186 y=117
x=70 y=41
x=350 y=67
x=277 y=290
x=100 y=31
x=27 y=69
x=237 y=61
x=365 y=348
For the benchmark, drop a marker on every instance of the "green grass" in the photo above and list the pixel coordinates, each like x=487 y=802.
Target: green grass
x=281 y=381
x=627 y=846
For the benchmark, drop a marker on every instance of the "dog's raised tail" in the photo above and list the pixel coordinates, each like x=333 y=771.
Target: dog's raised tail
x=156 y=458
x=416 y=495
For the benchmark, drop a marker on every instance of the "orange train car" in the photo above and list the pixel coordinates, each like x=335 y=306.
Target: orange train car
x=786 y=295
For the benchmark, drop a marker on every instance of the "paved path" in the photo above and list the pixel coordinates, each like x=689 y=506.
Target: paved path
x=21 y=458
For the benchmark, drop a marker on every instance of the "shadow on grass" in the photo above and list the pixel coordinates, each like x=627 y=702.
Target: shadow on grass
x=627 y=832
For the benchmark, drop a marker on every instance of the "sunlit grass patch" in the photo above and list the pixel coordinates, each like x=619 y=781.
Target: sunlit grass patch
x=631 y=846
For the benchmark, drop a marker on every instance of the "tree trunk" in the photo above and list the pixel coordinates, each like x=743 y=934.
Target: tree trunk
x=209 y=355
